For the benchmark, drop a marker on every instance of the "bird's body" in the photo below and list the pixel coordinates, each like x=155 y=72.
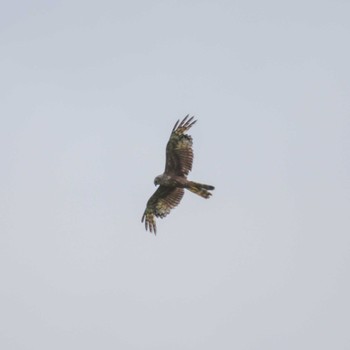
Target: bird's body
x=179 y=159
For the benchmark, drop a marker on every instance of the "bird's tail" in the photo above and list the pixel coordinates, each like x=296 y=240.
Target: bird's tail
x=200 y=189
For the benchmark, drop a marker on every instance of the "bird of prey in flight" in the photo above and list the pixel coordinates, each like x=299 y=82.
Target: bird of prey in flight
x=179 y=158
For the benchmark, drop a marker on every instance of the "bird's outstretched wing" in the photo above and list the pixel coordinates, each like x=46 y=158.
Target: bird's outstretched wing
x=179 y=153
x=161 y=202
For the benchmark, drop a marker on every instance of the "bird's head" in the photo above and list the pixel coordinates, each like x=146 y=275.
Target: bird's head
x=157 y=180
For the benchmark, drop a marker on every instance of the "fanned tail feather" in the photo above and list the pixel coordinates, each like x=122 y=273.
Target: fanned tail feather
x=200 y=189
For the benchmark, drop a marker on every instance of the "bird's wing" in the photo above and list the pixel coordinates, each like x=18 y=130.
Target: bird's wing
x=179 y=153
x=161 y=202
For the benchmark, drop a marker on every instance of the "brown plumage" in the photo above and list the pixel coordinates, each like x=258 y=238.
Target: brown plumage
x=179 y=159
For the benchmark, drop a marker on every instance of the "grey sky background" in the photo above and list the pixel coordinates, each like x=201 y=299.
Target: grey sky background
x=89 y=93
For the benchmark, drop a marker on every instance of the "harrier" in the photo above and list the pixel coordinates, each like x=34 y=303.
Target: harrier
x=179 y=158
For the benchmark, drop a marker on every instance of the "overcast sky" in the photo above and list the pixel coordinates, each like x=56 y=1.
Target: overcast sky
x=89 y=92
